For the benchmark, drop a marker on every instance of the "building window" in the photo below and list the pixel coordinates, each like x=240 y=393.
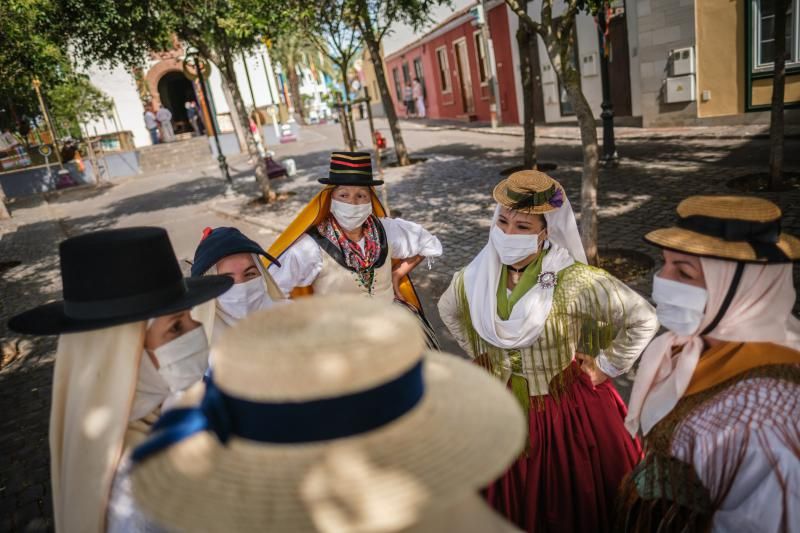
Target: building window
x=444 y=69
x=406 y=75
x=483 y=60
x=419 y=73
x=763 y=34
x=398 y=89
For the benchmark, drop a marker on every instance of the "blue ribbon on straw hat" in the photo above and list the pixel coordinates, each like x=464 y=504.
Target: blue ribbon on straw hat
x=287 y=422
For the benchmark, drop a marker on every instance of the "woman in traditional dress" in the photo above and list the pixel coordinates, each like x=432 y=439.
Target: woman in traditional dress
x=530 y=311
x=342 y=242
x=717 y=397
x=127 y=346
x=228 y=252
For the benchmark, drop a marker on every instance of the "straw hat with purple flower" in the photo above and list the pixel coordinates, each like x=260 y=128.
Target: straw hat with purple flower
x=530 y=191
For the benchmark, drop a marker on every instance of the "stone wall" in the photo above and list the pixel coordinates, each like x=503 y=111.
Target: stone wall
x=663 y=26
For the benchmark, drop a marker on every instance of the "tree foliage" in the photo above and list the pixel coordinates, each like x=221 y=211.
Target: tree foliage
x=374 y=19
x=76 y=102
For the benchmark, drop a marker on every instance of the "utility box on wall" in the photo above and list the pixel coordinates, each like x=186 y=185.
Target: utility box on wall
x=681 y=62
x=679 y=89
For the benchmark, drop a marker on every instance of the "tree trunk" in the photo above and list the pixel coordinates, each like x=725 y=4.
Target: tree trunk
x=229 y=80
x=343 y=123
x=778 y=88
x=347 y=112
x=388 y=104
x=570 y=79
x=235 y=119
x=525 y=43
x=294 y=87
x=4 y=214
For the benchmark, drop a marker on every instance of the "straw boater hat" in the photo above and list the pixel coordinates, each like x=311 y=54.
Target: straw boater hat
x=350 y=168
x=736 y=228
x=322 y=420
x=530 y=191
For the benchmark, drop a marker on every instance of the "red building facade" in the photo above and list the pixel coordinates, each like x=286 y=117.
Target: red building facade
x=451 y=61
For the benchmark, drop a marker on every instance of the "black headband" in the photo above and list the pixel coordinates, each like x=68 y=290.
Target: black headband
x=761 y=236
x=527 y=199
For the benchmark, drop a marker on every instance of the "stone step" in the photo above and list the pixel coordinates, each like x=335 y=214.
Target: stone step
x=191 y=152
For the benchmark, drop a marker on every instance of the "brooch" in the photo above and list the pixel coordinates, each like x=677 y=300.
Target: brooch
x=547 y=280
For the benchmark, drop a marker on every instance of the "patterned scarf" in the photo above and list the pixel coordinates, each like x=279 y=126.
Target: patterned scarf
x=360 y=261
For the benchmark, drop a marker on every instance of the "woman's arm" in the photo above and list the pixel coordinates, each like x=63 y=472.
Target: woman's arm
x=402 y=269
x=408 y=239
x=635 y=321
x=300 y=265
x=451 y=315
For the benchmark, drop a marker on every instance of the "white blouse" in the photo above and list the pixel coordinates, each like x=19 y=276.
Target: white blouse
x=755 y=419
x=302 y=262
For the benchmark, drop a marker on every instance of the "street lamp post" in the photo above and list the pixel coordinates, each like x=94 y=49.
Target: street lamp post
x=609 y=156
x=36 y=86
x=494 y=89
x=194 y=59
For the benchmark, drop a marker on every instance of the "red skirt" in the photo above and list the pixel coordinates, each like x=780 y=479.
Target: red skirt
x=579 y=453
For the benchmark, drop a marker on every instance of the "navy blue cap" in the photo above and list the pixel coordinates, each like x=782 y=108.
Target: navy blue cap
x=218 y=243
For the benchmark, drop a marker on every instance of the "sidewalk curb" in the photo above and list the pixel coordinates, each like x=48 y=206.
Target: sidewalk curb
x=651 y=138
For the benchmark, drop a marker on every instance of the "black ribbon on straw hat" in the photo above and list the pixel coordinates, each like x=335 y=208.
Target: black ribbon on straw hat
x=287 y=422
x=763 y=237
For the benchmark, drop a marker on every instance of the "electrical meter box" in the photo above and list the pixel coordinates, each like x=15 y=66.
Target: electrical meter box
x=680 y=89
x=681 y=61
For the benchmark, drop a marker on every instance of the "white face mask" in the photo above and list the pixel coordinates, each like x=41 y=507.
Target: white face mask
x=513 y=248
x=183 y=361
x=350 y=216
x=244 y=298
x=680 y=307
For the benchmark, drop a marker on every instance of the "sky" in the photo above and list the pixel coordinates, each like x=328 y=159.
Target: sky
x=401 y=35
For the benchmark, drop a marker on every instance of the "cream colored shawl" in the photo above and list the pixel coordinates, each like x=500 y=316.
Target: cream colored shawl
x=94 y=383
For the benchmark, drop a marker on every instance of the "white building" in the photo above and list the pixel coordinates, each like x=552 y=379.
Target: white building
x=163 y=81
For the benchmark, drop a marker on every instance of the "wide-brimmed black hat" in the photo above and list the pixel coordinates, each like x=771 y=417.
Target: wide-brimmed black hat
x=221 y=242
x=114 y=277
x=351 y=168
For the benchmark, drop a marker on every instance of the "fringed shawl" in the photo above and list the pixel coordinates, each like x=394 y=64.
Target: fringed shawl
x=667 y=493
x=587 y=315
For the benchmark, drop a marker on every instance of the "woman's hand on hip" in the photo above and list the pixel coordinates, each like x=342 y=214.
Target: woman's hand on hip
x=589 y=366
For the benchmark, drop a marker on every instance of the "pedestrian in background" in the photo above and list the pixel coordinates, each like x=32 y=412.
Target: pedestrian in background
x=151 y=124
x=408 y=99
x=164 y=118
x=419 y=98
x=191 y=114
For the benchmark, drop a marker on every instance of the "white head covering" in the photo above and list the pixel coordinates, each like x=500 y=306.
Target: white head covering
x=104 y=383
x=482 y=277
x=761 y=311
x=94 y=384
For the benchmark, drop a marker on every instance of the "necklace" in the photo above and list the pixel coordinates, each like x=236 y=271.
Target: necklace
x=516 y=272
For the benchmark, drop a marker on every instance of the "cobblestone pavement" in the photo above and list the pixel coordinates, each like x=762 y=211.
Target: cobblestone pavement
x=449 y=193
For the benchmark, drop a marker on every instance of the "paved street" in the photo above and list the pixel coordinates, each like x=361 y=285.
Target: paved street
x=449 y=193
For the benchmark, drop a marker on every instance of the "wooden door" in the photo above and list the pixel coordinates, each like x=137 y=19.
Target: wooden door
x=619 y=67
x=464 y=78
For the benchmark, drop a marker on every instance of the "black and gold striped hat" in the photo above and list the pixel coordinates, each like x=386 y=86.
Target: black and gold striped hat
x=351 y=168
x=736 y=228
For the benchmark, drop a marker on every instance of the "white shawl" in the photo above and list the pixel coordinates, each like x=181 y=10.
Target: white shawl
x=482 y=278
